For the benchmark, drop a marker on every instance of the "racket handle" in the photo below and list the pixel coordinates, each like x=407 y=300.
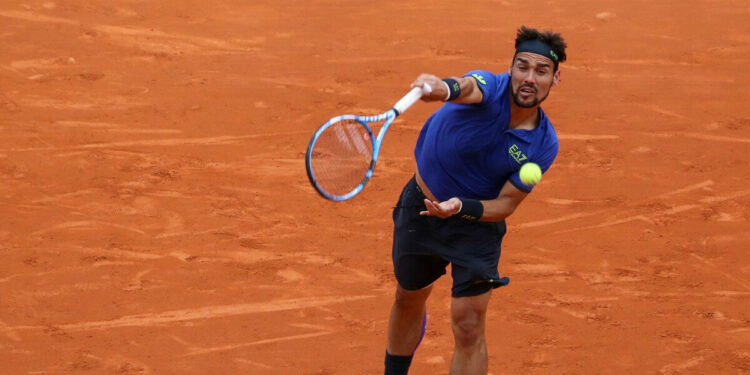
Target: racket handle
x=412 y=97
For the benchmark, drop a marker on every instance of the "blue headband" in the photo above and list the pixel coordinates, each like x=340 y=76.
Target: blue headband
x=538 y=47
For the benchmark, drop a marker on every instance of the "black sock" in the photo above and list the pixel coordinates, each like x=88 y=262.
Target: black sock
x=397 y=364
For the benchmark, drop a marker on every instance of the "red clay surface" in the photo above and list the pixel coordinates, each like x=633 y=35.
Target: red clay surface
x=155 y=216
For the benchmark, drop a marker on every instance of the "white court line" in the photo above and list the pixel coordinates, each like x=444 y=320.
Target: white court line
x=726 y=197
x=719 y=270
x=84 y=225
x=144 y=33
x=558 y=220
x=663 y=111
x=249 y=362
x=207 y=141
x=705 y=137
x=253 y=343
x=720 y=138
x=610 y=223
x=670 y=211
x=9 y=332
x=207 y=312
x=686 y=189
x=586 y=137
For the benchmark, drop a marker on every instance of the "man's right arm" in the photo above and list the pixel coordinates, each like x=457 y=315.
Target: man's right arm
x=470 y=91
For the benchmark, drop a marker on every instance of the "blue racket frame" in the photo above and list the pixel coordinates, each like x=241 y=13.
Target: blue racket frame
x=388 y=117
x=400 y=107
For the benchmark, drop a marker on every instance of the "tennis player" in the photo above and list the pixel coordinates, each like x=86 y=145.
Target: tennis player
x=453 y=210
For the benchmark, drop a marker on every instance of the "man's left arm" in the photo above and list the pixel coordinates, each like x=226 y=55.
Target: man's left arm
x=492 y=210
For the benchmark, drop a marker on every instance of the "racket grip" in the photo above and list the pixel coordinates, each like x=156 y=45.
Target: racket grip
x=412 y=97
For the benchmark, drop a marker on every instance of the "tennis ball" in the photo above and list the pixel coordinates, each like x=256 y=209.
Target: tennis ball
x=530 y=174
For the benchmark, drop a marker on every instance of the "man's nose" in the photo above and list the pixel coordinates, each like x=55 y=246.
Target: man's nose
x=529 y=77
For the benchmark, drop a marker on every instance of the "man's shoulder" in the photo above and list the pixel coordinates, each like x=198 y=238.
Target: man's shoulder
x=492 y=85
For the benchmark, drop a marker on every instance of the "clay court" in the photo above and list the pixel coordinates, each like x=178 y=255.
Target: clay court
x=156 y=218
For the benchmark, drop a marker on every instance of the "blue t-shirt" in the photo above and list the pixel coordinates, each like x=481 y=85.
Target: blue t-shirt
x=468 y=151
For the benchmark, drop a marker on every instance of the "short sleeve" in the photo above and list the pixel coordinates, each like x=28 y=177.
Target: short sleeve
x=544 y=159
x=487 y=83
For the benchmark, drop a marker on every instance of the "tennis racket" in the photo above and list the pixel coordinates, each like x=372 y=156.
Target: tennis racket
x=342 y=153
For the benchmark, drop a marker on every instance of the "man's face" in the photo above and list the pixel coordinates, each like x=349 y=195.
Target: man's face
x=531 y=78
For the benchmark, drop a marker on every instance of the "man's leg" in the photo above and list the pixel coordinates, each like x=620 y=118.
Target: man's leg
x=468 y=322
x=405 y=323
x=405 y=328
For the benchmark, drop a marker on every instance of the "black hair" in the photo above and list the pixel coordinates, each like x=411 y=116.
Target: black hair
x=553 y=39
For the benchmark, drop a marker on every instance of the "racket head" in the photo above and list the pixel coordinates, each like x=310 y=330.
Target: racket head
x=340 y=157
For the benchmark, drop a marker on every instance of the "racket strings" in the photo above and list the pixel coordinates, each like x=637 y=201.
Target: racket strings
x=341 y=157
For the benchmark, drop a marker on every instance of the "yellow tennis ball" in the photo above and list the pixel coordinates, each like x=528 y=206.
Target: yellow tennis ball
x=530 y=174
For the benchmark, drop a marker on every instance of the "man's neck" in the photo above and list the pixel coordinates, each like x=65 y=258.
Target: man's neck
x=523 y=118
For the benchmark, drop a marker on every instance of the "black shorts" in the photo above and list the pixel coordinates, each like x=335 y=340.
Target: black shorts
x=424 y=245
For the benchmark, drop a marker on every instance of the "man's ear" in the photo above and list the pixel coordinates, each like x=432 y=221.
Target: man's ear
x=556 y=79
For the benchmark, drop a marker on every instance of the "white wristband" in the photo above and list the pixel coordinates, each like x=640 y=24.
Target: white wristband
x=448 y=88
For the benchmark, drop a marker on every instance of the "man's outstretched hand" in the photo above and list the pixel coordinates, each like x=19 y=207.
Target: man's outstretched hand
x=443 y=209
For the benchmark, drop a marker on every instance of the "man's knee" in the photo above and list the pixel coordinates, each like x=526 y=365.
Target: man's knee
x=411 y=299
x=467 y=320
x=467 y=332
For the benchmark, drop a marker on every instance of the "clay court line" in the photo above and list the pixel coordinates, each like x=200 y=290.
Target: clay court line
x=719 y=138
x=117 y=253
x=207 y=141
x=36 y=275
x=372 y=234
x=584 y=299
x=188 y=233
x=253 y=343
x=671 y=211
x=209 y=312
x=28 y=16
x=65 y=195
x=9 y=332
x=88 y=124
x=716 y=293
x=13 y=71
x=249 y=362
x=114 y=103
x=663 y=111
x=726 y=197
x=679 y=367
x=686 y=189
x=719 y=270
x=574 y=313
x=705 y=137
x=641 y=62
x=87 y=224
x=145 y=131
x=730 y=293
x=116 y=128
x=586 y=137
x=365 y=59
x=195 y=40
x=146 y=34
x=558 y=220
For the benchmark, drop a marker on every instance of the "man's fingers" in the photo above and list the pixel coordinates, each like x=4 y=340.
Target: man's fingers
x=435 y=209
x=432 y=210
x=430 y=206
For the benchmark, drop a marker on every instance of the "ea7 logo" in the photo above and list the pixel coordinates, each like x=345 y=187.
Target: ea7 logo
x=516 y=153
x=479 y=78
